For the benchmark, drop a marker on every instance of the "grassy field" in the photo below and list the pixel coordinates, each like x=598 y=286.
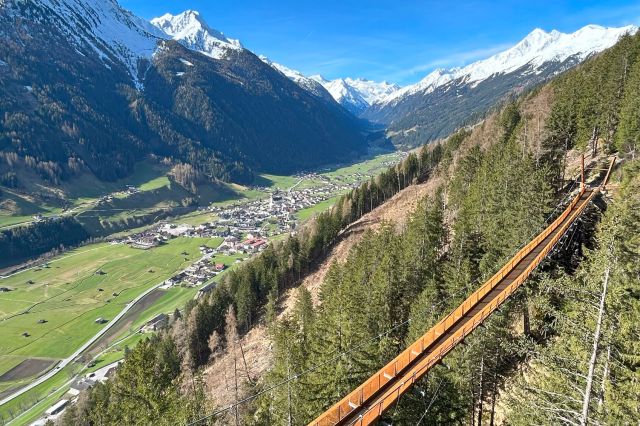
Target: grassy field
x=81 y=194
x=371 y=166
x=275 y=181
x=17 y=208
x=48 y=393
x=39 y=398
x=309 y=212
x=70 y=293
x=145 y=175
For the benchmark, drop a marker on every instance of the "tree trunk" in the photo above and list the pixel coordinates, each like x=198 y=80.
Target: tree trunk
x=526 y=320
x=244 y=361
x=564 y=160
x=235 y=378
x=594 y=141
x=605 y=374
x=481 y=391
x=494 y=391
x=289 y=413
x=594 y=352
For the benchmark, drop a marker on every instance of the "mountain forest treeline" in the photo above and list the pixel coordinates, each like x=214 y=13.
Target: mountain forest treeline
x=22 y=242
x=562 y=350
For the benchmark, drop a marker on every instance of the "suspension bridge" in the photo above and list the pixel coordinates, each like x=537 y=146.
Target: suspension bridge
x=367 y=403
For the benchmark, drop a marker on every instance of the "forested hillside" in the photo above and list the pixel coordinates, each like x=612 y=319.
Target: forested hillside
x=563 y=350
x=76 y=99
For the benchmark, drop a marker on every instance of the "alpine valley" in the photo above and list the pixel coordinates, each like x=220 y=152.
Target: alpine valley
x=195 y=232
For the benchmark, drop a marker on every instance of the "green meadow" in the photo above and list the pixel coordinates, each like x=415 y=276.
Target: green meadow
x=57 y=304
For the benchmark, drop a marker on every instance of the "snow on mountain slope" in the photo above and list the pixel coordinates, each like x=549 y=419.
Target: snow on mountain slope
x=189 y=29
x=535 y=50
x=356 y=94
x=344 y=94
x=372 y=91
x=103 y=26
x=297 y=77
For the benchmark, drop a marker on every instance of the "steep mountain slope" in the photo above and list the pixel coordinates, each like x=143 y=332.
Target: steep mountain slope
x=464 y=94
x=87 y=85
x=498 y=187
x=356 y=95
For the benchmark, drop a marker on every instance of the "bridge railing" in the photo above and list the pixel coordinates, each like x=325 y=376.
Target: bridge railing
x=390 y=373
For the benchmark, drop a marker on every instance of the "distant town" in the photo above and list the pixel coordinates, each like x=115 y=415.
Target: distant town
x=245 y=227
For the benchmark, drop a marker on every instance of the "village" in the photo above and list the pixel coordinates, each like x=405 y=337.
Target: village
x=245 y=228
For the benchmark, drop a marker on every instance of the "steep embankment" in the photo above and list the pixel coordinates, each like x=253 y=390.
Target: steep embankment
x=504 y=188
x=256 y=344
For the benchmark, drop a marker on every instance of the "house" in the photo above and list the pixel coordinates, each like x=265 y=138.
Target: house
x=258 y=244
x=155 y=323
x=79 y=385
x=219 y=267
x=57 y=408
x=206 y=289
x=145 y=242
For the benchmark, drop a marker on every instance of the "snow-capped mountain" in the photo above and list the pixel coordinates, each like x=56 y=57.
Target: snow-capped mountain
x=297 y=77
x=344 y=94
x=448 y=98
x=356 y=94
x=534 y=51
x=189 y=29
x=100 y=27
x=372 y=91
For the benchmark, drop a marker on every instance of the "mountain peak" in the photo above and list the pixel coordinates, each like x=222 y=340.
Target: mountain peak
x=191 y=30
x=356 y=94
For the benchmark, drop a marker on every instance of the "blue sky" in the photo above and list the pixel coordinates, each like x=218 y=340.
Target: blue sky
x=394 y=40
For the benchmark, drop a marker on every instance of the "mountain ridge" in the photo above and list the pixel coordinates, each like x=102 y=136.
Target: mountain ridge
x=357 y=94
x=537 y=48
x=446 y=100
x=88 y=85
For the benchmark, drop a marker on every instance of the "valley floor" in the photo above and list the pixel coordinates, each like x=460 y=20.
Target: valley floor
x=54 y=307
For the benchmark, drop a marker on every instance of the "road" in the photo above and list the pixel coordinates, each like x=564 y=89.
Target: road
x=86 y=345
x=294 y=186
